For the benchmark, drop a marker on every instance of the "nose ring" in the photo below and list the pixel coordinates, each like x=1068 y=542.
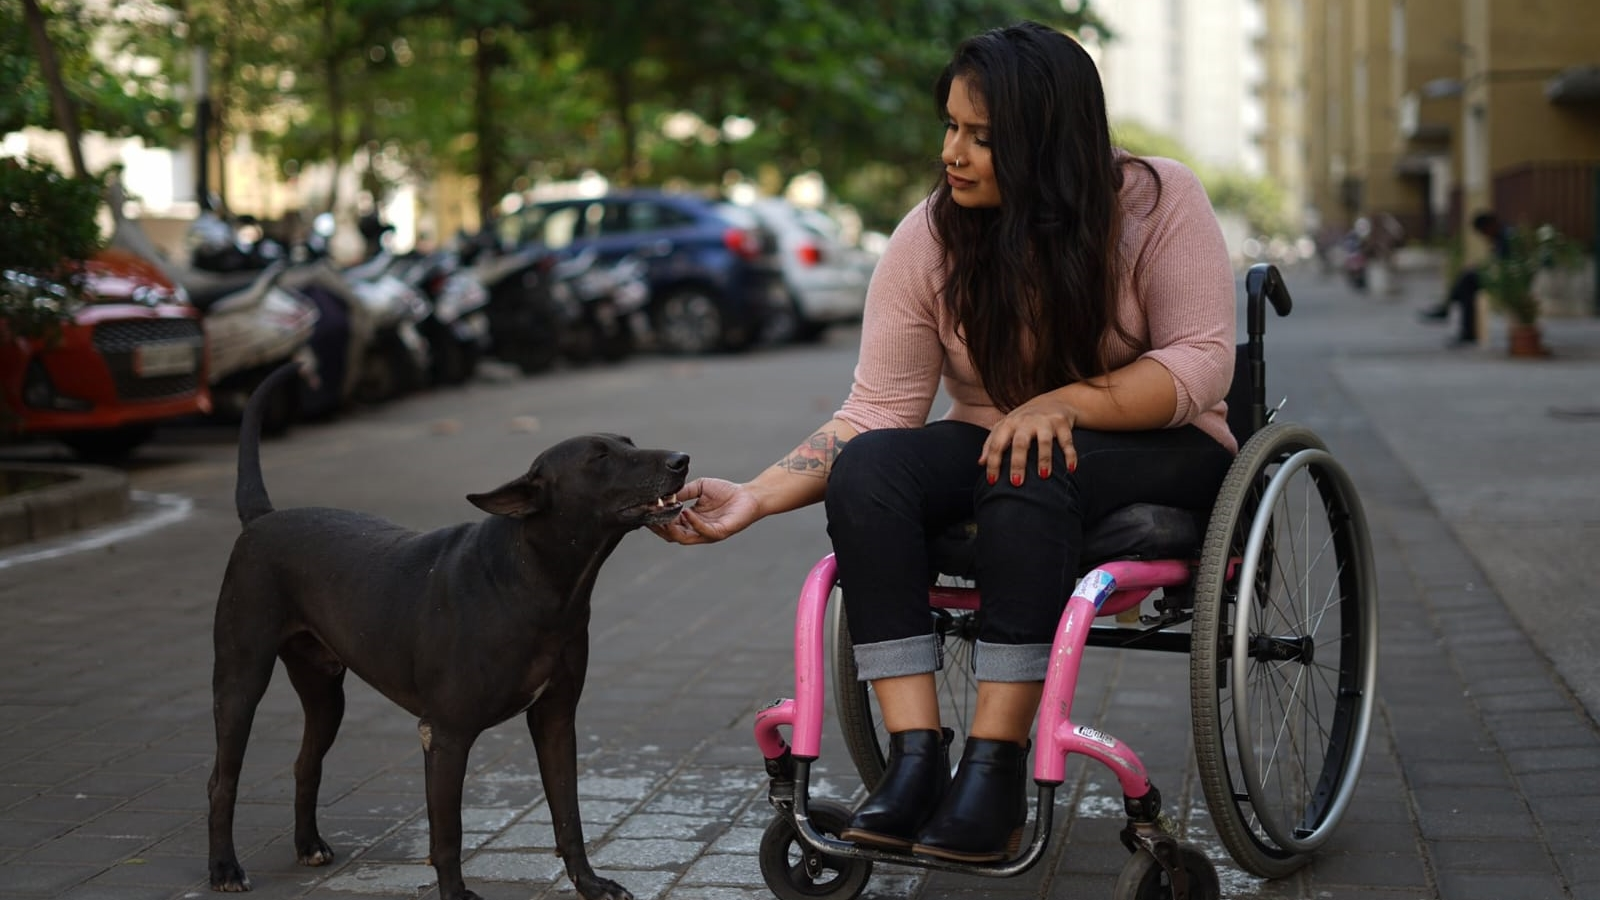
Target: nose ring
x=960 y=161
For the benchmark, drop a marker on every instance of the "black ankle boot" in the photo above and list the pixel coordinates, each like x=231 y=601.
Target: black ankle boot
x=913 y=782
x=981 y=817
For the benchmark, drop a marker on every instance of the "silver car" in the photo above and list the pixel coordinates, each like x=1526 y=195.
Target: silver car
x=824 y=274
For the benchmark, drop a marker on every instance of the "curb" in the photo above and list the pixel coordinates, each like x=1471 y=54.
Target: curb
x=79 y=497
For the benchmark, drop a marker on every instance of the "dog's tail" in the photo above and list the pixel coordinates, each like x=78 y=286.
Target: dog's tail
x=250 y=490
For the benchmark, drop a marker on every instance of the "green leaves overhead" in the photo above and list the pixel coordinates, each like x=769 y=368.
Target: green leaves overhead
x=512 y=91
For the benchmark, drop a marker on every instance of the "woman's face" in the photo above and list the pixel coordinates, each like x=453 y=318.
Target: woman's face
x=968 y=164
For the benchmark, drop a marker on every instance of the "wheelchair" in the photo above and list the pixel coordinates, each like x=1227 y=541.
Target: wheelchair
x=1272 y=595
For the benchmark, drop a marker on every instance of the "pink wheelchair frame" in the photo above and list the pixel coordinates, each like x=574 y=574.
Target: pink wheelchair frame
x=1106 y=590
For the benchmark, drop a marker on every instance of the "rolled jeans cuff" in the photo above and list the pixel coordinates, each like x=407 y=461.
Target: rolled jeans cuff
x=1011 y=662
x=905 y=656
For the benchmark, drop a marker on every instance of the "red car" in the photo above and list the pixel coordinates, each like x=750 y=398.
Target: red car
x=131 y=357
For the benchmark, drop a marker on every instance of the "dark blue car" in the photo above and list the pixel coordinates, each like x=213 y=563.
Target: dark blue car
x=713 y=270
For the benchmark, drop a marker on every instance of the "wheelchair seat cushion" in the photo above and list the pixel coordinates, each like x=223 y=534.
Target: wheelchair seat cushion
x=1140 y=531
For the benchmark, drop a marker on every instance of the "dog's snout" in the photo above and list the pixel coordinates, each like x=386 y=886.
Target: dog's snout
x=678 y=462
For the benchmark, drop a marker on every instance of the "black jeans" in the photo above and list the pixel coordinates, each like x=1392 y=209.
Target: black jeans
x=891 y=489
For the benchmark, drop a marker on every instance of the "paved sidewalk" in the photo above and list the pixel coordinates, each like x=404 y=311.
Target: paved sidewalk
x=1477 y=471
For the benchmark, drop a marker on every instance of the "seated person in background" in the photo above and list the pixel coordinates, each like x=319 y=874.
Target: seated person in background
x=1464 y=290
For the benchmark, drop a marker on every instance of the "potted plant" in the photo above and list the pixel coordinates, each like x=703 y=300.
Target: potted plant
x=1512 y=278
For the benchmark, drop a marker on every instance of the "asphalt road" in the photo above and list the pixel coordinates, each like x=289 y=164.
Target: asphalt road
x=105 y=697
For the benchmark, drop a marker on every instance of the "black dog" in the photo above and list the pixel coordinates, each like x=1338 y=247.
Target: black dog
x=464 y=627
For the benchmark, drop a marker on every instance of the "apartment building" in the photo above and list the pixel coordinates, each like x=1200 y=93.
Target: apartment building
x=1430 y=110
x=1191 y=70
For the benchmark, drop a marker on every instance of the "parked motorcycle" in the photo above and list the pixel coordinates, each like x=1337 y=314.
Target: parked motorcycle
x=525 y=323
x=396 y=360
x=457 y=325
x=252 y=324
x=602 y=305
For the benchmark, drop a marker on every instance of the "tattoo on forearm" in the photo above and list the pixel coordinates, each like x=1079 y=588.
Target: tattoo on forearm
x=814 y=457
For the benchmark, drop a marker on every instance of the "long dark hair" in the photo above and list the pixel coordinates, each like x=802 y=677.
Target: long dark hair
x=1045 y=261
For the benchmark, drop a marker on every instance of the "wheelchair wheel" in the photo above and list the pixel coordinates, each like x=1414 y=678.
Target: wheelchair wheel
x=1284 y=661
x=864 y=735
x=794 y=871
x=1142 y=878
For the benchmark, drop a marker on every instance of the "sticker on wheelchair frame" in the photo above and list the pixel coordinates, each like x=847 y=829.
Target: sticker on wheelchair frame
x=1099 y=737
x=1096 y=587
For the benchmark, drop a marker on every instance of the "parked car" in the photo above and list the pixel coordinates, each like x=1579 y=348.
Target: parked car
x=825 y=276
x=131 y=357
x=711 y=267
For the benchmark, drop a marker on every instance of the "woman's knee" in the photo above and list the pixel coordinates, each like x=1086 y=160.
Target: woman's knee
x=866 y=465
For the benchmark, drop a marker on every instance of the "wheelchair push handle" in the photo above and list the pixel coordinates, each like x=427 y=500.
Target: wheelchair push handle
x=1263 y=283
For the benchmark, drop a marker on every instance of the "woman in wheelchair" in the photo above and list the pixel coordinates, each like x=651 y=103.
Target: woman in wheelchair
x=1077 y=304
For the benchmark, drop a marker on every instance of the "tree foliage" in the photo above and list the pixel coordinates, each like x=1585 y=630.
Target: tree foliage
x=515 y=91
x=47 y=229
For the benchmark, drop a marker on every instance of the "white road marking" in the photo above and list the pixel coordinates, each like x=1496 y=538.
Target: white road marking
x=169 y=508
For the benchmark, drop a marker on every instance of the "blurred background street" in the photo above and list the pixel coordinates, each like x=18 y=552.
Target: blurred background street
x=482 y=227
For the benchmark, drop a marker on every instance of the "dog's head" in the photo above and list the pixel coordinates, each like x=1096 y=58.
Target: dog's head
x=600 y=477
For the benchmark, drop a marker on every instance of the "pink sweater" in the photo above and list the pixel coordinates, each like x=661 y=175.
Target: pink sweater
x=1176 y=300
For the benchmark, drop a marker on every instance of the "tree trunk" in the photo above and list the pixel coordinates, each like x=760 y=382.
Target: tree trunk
x=622 y=96
x=485 y=61
x=330 y=63
x=65 y=111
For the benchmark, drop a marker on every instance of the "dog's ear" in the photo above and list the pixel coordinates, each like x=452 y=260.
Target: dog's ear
x=518 y=498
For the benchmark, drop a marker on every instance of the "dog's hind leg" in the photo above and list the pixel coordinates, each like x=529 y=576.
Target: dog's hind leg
x=552 y=722
x=318 y=678
x=240 y=674
x=444 y=756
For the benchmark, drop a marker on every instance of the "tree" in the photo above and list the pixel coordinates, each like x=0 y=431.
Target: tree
x=47 y=230
x=52 y=75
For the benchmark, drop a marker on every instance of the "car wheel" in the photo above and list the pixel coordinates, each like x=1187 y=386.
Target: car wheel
x=783 y=323
x=688 y=321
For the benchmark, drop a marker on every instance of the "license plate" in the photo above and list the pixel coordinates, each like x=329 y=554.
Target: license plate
x=156 y=360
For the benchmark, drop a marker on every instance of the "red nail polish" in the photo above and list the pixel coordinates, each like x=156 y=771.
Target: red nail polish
x=1072 y=467
x=1044 y=473
x=1016 y=481
x=992 y=479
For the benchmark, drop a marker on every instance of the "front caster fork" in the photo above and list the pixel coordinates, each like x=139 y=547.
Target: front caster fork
x=1189 y=875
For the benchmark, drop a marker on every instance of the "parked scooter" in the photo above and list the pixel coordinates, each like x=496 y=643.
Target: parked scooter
x=602 y=305
x=253 y=324
x=397 y=359
x=457 y=326
x=525 y=323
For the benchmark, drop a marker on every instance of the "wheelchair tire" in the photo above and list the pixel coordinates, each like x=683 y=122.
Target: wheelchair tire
x=860 y=721
x=793 y=871
x=1283 y=664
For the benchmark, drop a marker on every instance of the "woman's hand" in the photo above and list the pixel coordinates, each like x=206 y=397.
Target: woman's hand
x=1047 y=421
x=721 y=510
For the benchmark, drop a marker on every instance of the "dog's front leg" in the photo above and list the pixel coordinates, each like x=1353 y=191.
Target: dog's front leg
x=444 y=756
x=552 y=723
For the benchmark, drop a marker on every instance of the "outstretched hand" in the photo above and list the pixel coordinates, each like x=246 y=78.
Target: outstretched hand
x=721 y=509
x=1044 y=420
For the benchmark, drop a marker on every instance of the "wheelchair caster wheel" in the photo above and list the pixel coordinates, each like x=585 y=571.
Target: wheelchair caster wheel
x=794 y=871
x=1143 y=878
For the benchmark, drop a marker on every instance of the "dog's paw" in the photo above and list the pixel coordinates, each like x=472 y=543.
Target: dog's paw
x=229 y=877
x=597 y=888
x=315 y=852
